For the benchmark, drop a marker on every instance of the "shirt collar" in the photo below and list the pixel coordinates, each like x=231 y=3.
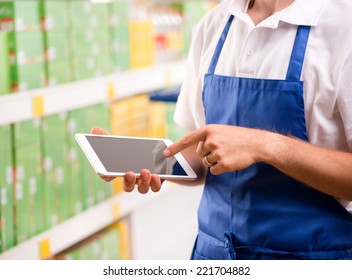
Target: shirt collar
x=301 y=12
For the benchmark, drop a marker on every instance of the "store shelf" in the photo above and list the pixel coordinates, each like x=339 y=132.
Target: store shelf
x=45 y=101
x=82 y=226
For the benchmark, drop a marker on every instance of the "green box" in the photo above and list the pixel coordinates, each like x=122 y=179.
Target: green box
x=27 y=132
x=90 y=42
x=26 y=47
x=119 y=11
x=28 y=191
x=84 y=14
x=19 y=15
x=26 y=51
x=111 y=244
x=28 y=76
x=6 y=138
x=77 y=179
x=85 y=67
x=57 y=47
x=121 y=60
x=54 y=126
x=4 y=64
x=54 y=14
x=55 y=186
x=173 y=131
x=7 y=235
x=193 y=11
x=58 y=72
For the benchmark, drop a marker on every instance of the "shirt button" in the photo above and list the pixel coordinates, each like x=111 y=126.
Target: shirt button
x=250 y=52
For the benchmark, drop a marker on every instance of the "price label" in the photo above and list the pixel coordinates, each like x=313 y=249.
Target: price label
x=45 y=248
x=38 y=106
x=116 y=211
x=111 y=94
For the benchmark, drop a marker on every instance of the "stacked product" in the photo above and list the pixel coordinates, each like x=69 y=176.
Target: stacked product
x=129 y=117
x=119 y=35
x=7 y=236
x=110 y=244
x=142 y=43
x=86 y=187
x=193 y=11
x=56 y=192
x=167 y=99
x=55 y=26
x=28 y=180
x=90 y=39
x=22 y=20
x=4 y=64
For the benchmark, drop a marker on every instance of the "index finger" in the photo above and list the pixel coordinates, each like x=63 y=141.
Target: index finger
x=193 y=137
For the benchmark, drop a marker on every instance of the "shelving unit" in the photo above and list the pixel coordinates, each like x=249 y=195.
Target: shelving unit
x=42 y=102
x=78 y=228
x=46 y=101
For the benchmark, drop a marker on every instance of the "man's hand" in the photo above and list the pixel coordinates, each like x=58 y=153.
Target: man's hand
x=145 y=182
x=223 y=148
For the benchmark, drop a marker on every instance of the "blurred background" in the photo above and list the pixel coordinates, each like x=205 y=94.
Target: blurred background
x=65 y=67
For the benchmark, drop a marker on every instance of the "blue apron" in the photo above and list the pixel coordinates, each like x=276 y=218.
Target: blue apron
x=260 y=213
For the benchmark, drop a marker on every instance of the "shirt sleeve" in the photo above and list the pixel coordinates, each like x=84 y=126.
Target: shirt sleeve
x=344 y=99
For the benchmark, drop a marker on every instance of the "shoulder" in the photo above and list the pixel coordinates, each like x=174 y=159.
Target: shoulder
x=333 y=31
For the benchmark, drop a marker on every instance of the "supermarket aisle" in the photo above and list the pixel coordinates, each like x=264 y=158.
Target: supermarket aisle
x=68 y=66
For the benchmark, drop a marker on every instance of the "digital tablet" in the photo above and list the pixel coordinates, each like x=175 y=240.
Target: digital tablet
x=113 y=156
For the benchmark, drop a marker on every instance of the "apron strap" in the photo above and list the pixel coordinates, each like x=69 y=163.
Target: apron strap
x=297 y=57
x=221 y=42
x=298 y=52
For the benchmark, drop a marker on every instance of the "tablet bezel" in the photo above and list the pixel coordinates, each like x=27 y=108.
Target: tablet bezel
x=100 y=169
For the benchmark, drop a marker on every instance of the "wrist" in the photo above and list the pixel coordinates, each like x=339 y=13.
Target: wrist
x=273 y=147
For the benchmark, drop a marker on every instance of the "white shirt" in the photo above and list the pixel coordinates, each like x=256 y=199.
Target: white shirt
x=263 y=51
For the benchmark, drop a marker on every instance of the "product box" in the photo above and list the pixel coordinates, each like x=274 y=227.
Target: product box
x=88 y=66
x=4 y=64
x=7 y=235
x=157 y=120
x=98 y=116
x=26 y=60
x=20 y=15
x=120 y=48
x=119 y=33
x=27 y=132
x=84 y=14
x=26 y=47
x=28 y=76
x=28 y=191
x=118 y=12
x=142 y=44
x=57 y=47
x=54 y=15
x=193 y=11
x=90 y=42
x=58 y=72
x=54 y=126
x=55 y=163
x=56 y=194
x=78 y=181
x=120 y=112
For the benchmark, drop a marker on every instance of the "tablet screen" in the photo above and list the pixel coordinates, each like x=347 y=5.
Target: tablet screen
x=126 y=154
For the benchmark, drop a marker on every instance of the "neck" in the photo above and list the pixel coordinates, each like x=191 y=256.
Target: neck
x=259 y=10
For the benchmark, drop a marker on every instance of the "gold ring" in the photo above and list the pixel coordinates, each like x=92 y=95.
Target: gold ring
x=208 y=162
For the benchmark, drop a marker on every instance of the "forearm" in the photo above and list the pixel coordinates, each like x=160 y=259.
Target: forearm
x=326 y=170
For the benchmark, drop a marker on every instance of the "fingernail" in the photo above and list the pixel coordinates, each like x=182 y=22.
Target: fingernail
x=166 y=153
